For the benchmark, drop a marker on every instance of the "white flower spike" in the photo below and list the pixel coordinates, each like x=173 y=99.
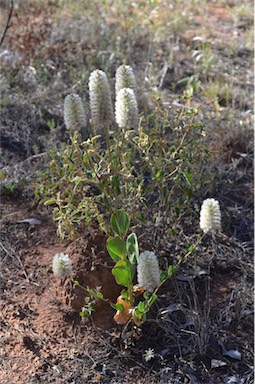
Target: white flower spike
x=125 y=78
x=126 y=110
x=148 y=273
x=100 y=99
x=74 y=113
x=61 y=265
x=210 y=216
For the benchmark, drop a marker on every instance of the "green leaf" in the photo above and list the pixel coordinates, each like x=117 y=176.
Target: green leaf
x=120 y=222
x=152 y=299
x=170 y=271
x=85 y=159
x=116 y=248
x=159 y=175
x=122 y=273
x=163 y=276
x=75 y=282
x=124 y=294
x=100 y=296
x=138 y=313
x=50 y=202
x=132 y=248
x=119 y=307
x=116 y=184
x=146 y=295
x=191 y=249
x=141 y=306
x=188 y=177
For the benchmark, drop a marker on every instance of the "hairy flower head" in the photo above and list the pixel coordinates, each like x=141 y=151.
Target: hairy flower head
x=74 y=113
x=126 y=111
x=148 y=273
x=100 y=99
x=210 y=216
x=61 y=265
x=124 y=78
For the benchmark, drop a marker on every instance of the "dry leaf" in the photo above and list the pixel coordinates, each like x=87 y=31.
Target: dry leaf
x=137 y=291
x=123 y=318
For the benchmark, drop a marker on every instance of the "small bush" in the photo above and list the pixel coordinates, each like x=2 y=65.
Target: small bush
x=152 y=170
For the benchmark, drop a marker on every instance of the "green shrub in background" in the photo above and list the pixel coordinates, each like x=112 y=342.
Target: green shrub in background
x=149 y=166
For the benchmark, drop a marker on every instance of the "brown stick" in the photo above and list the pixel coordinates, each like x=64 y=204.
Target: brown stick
x=8 y=22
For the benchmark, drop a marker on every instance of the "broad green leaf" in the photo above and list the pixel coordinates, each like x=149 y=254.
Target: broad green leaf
x=122 y=273
x=116 y=248
x=119 y=307
x=120 y=222
x=132 y=248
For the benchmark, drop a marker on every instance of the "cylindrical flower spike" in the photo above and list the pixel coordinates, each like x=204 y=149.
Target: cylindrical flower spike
x=74 y=113
x=210 y=216
x=125 y=78
x=126 y=110
x=100 y=99
x=61 y=265
x=148 y=273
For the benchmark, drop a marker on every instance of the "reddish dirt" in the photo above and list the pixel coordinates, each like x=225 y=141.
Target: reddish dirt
x=40 y=313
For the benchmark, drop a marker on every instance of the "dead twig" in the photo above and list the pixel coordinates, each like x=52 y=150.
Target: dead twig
x=11 y=255
x=8 y=24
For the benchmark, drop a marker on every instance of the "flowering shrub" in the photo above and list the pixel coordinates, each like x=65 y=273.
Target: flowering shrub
x=144 y=164
x=135 y=171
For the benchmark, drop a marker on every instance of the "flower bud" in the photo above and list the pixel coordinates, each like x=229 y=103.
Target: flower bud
x=125 y=78
x=126 y=111
x=74 y=113
x=61 y=265
x=210 y=216
x=100 y=99
x=148 y=273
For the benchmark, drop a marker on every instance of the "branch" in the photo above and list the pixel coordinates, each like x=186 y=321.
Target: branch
x=8 y=22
